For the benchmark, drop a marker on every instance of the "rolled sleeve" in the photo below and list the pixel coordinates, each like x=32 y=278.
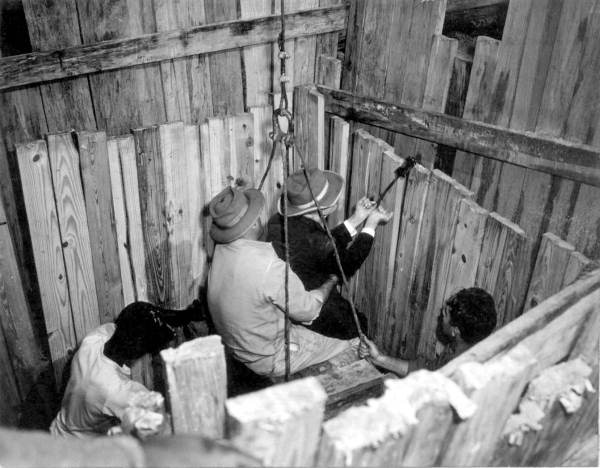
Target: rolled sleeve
x=304 y=305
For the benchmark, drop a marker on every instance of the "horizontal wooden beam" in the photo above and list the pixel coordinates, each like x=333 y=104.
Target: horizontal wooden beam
x=20 y=70
x=462 y=5
x=554 y=156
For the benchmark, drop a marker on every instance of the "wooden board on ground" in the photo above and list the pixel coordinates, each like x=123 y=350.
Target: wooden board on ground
x=279 y=425
x=96 y=181
x=197 y=386
x=34 y=168
x=72 y=218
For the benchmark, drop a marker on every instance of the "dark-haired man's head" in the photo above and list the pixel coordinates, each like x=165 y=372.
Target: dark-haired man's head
x=468 y=316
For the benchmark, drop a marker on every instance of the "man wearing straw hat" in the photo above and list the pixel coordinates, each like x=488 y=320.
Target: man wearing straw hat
x=311 y=253
x=246 y=292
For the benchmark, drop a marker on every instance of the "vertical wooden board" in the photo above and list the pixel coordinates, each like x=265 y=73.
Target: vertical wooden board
x=329 y=71
x=316 y=103
x=11 y=399
x=443 y=53
x=550 y=266
x=477 y=100
x=120 y=217
x=338 y=163
x=38 y=194
x=302 y=136
x=435 y=266
x=327 y=44
x=130 y=97
x=304 y=47
x=513 y=277
x=149 y=160
x=97 y=191
x=2 y=211
x=575 y=266
x=197 y=386
x=217 y=157
x=240 y=133
x=134 y=234
x=494 y=241
x=414 y=215
x=185 y=81
x=206 y=168
x=23 y=350
x=225 y=67
x=385 y=245
x=196 y=200
x=584 y=231
x=456 y=269
x=472 y=442
x=177 y=213
x=360 y=166
x=257 y=59
x=55 y=25
x=262 y=151
x=279 y=425
x=72 y=218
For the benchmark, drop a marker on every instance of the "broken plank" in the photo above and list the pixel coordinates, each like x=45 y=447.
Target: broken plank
x=279 y=425
x=197 y=386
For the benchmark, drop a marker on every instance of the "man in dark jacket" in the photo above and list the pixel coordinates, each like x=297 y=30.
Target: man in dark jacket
x=311 y=254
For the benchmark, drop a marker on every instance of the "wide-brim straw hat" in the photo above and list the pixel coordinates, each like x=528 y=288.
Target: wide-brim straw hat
x=233 y=211
x=326 y=186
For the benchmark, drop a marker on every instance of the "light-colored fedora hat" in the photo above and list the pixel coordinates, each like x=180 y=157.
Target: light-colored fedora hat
x=233 y=211
x=326 y=186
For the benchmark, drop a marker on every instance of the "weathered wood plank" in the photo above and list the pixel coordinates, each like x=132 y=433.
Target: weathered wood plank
x=177 y=213
x=95 y=173
x=517 y=330
x=415 y=217
x=309 y=128
x=11 y=399
x=327 y=44
x=150 y=172
x=225 y=67
x=555 y=156
x=38 y=194
x=549 y=269
x=197 y=386
x=239 y=135
x=329 y=71
x=279 y=425
x=477 y=100
x=72 y=218
x=304 y=47
x=338 y=163
x=575 y=265
x=185 y=80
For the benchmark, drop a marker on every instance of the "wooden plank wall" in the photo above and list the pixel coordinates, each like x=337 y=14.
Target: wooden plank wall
x=105 y=105
x=529 y=81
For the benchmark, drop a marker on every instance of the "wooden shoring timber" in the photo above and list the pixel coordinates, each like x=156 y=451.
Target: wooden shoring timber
x=527 y=324
x=559 y=157
x=38 y=194
x=262 y=125
x=328 y=71
x=549 y=270
x=432 y=267
x=279 y=425
x=11 y=398
x=72 y=218
x=309 y=128
x=152 y=196
x=125 y=98
x=197 y=386
x=443 y=53
x=305 y=47
x=388 y=430
x=413 y=217
x=225 y=67
x=575 y=265
x=257 y=58
x=52 y=26
x=177 y=210
x=327 y=44
x=476 y=102
x=496 y=388
x=504 y=267
x=240 y=144
x=185 y=80
x=20 y=70
x=26 y=361
x=95 y=173
x=339 y=163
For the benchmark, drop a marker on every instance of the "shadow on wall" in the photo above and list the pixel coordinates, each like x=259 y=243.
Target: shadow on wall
x=14 y=35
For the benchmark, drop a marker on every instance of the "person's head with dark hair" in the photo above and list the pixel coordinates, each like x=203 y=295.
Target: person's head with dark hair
x=143 y=328
x=468 y=316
